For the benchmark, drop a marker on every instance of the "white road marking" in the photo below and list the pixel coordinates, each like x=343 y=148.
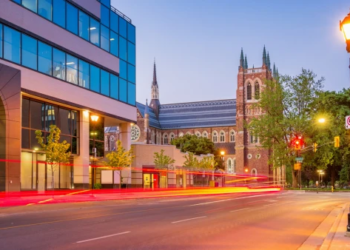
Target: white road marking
x=103 y=237
x=195 y=218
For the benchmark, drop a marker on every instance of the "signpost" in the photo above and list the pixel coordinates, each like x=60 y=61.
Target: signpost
x=347 y=122
x=299 y=159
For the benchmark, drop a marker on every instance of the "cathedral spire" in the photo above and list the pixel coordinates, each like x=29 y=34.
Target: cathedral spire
x=146 y=107
x=264 y=56
x=245 y=62
x=154 y=74
x=268 y=61
x=241 y=61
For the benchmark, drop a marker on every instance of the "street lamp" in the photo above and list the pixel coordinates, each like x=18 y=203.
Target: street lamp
x=94 y=119
x=322 y=120
x=345 y=28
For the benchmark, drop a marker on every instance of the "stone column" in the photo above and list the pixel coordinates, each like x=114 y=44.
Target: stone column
x=82 y=162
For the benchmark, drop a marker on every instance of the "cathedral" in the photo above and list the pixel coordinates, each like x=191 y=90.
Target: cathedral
x=221 y=121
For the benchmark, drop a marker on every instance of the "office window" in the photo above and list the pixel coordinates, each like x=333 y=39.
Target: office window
x=123 y=69
x=105 y=16
x=104 y=38
x=1 y=40
x=30 y=4
x=12 y=45
x=122 y=90
x=17 y=1
x=59 y=64
x=59 y=12
x=114 y=43
x=72 y=19
x=122 y=48
x=94 y=32
x=29 y=52
x=131 y=73
x=114 y=22
x=114 y=86
x=72 y=69
x=122 y=27
x=45 y=58
x=131 y=93
x=36 y=115
x=94 y=78
x=45 y=9
x=84 y=74
x=51 y=116
x=106 y=2
x=131 y=53
x=131 y=33
x=84 y=26
x=104 y=83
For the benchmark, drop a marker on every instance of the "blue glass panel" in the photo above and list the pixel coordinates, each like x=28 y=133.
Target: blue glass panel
x=114 y=86
x=72 y=69
x=105 y=15
x=84 y=74
x=104 y=83
x=123 y=69
x=94 y=32
x=45 y=58
x=84 y=25
x=29 y=52
x=131 y=33
x=1 y=40
x=45 y=9
x=114 y=22
x=59 y=64
x=114 y=43
x=131 y=73
x=131 y=53
x=17 y=1
x=94 y=78
x=106 y=2
x=104 y=38
x=122 y=90
x=122 y=27
x=30 y=4
x=12 y=45
x=131 y=93
x=122 y=48
x=59 y=12
x=72 y=19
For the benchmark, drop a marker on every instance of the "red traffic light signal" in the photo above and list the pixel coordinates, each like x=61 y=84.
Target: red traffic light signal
x=298 y=142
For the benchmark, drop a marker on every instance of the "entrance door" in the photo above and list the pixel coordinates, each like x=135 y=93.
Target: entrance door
x=147 y=180
x=155 y=180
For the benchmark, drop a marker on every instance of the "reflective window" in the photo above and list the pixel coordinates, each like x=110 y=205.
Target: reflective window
x=45 y=58
x=25 y=113
x=84 y=74
x=51 y=116
x=1 y=40
x=131 y=93
x=104 y=38
x=104 y=83
x=131 y=53
x=114 y=86
x=94 y=78
x=36 y=115
x=59 y=12
x=17 y=1
x=122 y=48
x=131 y=33
x=105 y=15
x=114 y=43
x=84 y=26
x=122 y=69
x=122 y=27
x=74 y=120
x=30 y=4
x=72 y=19
x=29 y=52
x=59 y=64
x=122 y=90
x=65 y=123
x=94 y=32
x=114 y=22
x=12 y=46
x=106 y=2
x=72 y=69
x=45 y=9
x=131 y=73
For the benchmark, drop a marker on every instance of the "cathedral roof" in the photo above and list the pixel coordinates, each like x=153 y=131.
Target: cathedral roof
x=153 y=121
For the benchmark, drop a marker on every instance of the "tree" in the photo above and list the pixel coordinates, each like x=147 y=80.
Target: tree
x=119 y=159
x=55 y=151
x=162 y=161
x=194 y=144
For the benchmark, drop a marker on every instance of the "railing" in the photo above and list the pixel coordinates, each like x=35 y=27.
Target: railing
x=119 y=13
x=250 y=71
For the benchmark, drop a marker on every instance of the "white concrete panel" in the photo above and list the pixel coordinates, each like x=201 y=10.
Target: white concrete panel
x=106 y=177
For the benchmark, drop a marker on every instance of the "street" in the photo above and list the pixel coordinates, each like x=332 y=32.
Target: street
x=281 y=220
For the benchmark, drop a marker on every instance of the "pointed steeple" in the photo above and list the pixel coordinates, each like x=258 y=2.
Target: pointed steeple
x=264 y=56
x=268 y=61
x=154 y=74
x=274 y=71
x=241 y=60
x=146 y=108
x=155 y=90
x=245 y=62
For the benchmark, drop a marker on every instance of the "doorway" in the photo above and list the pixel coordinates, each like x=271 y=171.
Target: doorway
x=150 y=180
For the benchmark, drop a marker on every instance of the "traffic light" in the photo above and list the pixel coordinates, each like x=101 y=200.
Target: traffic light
x=315 y=147
x=336 y=141
x=297 y=143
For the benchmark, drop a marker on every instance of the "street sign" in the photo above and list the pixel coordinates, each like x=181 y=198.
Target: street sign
x=297 y=166
x=299 y=159
x=347 y=122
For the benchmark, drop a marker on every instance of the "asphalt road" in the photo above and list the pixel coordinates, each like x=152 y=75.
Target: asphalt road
x=255 y=221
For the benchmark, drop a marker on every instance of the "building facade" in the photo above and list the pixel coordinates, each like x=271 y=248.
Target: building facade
x=61 y=62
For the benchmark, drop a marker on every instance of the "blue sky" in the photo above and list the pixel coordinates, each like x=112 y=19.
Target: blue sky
x=197 y=43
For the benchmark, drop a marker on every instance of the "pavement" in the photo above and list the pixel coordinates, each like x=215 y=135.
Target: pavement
x=283 y=220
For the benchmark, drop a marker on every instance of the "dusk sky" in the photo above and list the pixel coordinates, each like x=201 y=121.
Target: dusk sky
x=197 y=43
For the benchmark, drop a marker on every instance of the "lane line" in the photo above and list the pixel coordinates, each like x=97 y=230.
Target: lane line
x=195 y=218
x=45 y=200
x=103 y=237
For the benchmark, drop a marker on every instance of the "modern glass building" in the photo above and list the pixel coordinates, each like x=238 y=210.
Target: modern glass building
x=62 y=61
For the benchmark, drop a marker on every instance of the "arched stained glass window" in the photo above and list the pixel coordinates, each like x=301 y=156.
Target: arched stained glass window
x=249 y=91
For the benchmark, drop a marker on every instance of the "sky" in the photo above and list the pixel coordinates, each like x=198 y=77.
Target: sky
x=196 y=43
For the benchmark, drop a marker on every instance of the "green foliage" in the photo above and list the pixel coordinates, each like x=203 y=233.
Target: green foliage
x=119 y=158
x=162 y=161
x=207 y=162
x=97 y=186
x=194 y=144
x=191 y=161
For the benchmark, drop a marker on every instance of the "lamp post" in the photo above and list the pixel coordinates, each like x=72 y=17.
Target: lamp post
x=94 y=119
x=345 y=28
